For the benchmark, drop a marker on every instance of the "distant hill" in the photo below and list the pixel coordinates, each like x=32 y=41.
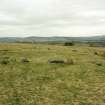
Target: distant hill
x=53 y=39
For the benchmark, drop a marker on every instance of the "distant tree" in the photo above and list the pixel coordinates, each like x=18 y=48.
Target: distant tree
x=69 y=44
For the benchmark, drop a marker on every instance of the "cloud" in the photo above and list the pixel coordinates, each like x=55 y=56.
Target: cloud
x=52 y=17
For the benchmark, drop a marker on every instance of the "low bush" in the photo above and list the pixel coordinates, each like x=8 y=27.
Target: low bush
x=99 y=64
x=96 y=53
x=24 y=60
x=69 y=44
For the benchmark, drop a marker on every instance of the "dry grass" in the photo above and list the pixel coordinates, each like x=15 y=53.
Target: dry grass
x=39 y=83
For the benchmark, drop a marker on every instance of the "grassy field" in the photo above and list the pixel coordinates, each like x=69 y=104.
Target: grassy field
x=38 y=82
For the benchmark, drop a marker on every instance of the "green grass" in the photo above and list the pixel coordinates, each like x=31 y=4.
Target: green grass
x=41 y=83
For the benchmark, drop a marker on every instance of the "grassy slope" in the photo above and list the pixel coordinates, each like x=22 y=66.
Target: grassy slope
x=41 y=83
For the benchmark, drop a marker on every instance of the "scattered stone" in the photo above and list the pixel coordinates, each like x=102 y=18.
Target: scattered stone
x=57 y=61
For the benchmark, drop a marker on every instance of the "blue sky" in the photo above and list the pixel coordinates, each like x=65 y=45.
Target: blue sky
x=52 y=17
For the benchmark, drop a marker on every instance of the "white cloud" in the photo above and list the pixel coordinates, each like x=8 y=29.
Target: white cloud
x=52 y=17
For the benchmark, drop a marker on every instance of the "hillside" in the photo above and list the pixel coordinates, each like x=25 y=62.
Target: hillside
x=52 y=39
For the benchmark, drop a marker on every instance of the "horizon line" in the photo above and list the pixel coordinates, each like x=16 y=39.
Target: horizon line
x=47 y=36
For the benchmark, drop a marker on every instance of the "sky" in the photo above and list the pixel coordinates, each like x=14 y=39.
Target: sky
x=20 y=18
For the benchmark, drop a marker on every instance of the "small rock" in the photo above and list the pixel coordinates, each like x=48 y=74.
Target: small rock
x=57 y=61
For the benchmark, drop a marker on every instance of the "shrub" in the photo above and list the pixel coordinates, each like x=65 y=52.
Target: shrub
x=4 y=61
x=24 y=60
x=48 y=48
x=69 y=44
x=99 y=64
x=96 y=53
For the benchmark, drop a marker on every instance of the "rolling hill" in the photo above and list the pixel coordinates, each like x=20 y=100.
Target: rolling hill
x=52 y=39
